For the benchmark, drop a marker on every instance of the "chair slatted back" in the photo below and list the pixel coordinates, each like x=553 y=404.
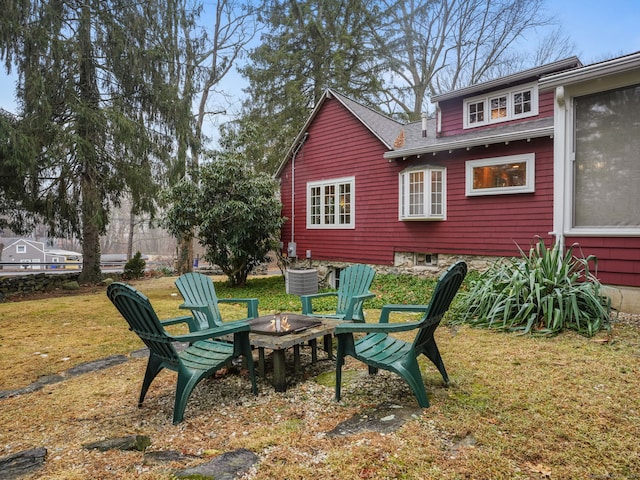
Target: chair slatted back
x=354 y=280
x=198 y=289
x=443 y=294
x=142 y=319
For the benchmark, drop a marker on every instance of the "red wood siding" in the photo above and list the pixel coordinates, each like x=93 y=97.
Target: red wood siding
x=453 y=115
x=340 y=146
x=618 y=258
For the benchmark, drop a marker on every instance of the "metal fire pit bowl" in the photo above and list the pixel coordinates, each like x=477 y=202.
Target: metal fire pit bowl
x=288 y=322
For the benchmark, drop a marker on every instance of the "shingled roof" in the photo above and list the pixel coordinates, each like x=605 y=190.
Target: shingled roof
x=385 y=128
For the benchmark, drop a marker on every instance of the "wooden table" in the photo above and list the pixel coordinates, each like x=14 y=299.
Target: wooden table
x=279 y=343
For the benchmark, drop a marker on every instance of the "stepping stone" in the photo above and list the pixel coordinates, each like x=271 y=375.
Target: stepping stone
x=22 y=463
x=384 y=418
x=227 y=466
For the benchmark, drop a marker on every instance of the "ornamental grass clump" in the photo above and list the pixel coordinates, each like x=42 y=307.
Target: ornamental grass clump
x=541 y=293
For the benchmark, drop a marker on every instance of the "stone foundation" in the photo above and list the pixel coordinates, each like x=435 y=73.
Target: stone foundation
x=404 y=264
x=623 y=299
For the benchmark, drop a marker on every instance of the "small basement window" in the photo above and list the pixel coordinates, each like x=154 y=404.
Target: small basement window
x=425 y=259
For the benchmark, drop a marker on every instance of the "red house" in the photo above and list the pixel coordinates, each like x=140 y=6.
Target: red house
x=492 y=171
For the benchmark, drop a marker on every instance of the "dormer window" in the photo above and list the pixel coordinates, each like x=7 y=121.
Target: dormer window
x=501 y=106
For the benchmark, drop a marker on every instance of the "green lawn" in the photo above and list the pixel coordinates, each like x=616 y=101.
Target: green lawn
x=564 y=407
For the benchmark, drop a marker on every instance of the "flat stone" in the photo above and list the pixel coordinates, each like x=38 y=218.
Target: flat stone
x=96 y=365
x=227 y=466
x=77 y=370
x=162 y=456
x=384 y=418
x=22 y=463
x=132 y=442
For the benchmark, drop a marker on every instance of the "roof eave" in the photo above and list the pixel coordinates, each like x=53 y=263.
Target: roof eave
x=591 y=72
x=570 y=62
x=472 y=142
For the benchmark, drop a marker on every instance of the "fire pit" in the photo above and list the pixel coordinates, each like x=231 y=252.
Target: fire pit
x=282 y=324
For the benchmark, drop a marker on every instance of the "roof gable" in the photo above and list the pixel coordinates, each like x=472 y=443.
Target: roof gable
x=381 y=126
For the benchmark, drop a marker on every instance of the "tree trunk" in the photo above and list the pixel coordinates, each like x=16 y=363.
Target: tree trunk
x=89 y=145
x=185 y=255
x=132 y=225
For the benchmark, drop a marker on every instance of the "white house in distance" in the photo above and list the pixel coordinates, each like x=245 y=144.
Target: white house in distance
x=33 y=255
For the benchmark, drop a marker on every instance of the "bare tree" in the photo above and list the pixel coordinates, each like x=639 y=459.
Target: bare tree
x=215 y=47
x=439 y=45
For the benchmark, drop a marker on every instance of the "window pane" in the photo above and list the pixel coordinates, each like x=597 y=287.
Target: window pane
x=607 y=150
x=497 y=176
x=522 y=102
x=499 y=107
x=436 y=192
x=315 y=206
x=416 y=193
x=329 y=204
x=476 y=112
x=345 y=203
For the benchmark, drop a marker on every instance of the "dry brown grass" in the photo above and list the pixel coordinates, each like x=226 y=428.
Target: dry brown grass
x=560 y=408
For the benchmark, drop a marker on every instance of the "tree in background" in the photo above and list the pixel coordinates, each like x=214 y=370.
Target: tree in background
x=215 y=45
x=234 y=213
x=14 y=162
x=98 y=90
x=429 y=47
x=310 y=46
x=391 y=55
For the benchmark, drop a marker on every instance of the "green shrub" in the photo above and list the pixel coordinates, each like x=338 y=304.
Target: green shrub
x=542 y=293
x=134 y=268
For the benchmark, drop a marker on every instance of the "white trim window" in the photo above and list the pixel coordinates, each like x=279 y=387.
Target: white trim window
x=501 y=175
x=502 y=106
x=21 y=249
x=331 y=203
x=423 y=193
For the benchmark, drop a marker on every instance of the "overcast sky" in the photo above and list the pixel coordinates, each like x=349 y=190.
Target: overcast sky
x=600 y=29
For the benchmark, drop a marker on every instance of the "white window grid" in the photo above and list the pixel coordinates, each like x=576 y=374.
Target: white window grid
x=330 y=203
x=501 y=106
x=422 y=193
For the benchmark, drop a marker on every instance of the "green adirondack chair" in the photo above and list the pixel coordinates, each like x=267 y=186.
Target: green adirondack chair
x=200 y=359
x=353 y=290
x=200 y=297
x=378 y=349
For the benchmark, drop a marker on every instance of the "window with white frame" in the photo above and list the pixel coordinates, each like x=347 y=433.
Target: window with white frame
x=606 y=170
x=501 y=106
x=501 y=175
x=423 y=193
x=21 y=249
x=330 y=203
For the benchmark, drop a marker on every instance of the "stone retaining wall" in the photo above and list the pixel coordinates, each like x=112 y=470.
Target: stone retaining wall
x=37 y=282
